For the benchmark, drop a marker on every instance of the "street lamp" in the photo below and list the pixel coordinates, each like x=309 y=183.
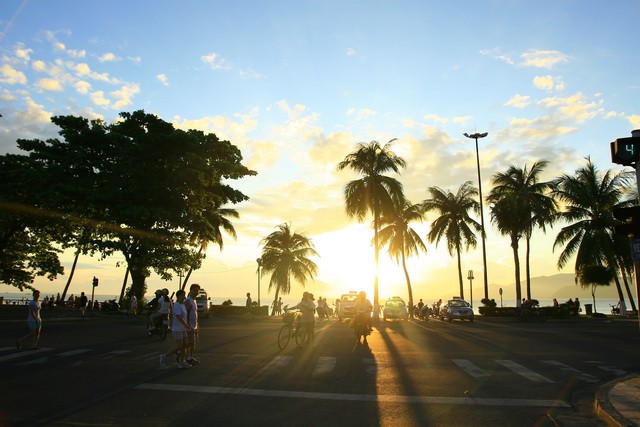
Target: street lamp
x=470 y=277
x=259 y=261
x=477 y=136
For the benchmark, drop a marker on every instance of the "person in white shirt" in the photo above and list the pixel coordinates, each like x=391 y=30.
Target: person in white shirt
x=192 y=320
x=179 y=329
x=307 y=307
x=133 y=306
x=34 y=322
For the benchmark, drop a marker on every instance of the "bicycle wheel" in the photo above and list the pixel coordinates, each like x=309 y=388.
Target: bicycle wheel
x=301 y=335
x=284 y=336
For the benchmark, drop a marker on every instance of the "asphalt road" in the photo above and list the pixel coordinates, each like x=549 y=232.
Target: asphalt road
x=105 y=370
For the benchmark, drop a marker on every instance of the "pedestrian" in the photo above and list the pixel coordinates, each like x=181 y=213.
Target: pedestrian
x=133 y=306
x=307 y=322
x=179 y=329
x=576 y=306
x=192 y=319
x=247 y=305
x=33 y=321
x=279 y=306
x=83 y=303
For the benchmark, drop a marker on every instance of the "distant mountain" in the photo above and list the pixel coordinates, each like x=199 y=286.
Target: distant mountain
x=560 y=286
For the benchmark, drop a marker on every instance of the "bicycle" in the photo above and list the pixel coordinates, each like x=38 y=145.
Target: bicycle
x=615 y=310
x=292 y=328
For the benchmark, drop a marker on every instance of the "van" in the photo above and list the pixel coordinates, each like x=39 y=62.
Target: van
x=202 y=303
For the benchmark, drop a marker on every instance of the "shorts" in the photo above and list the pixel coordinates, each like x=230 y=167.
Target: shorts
x=191 y=335
x=33 y=325
x=179 y=335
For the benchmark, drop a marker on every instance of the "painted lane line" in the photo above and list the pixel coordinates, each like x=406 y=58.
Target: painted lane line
x=324 y=366
x=521 y=370
x=614 y=370
x=24 y=353
x=148 y=356
x=115 y=353
x=73 y=352
x=474 y=401
x=566 y=368
x=38 y=361
x=277 y=362
x=470 y=368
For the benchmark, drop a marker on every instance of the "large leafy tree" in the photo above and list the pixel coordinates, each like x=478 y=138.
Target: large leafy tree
x=454 y=222
x=142 y=186
x=374 y=192
x=533 y=196
x=287 y=254
x=401 y=240
x=589 y=198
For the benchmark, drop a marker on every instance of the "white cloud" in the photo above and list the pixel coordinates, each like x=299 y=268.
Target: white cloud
x=575 y=107
x=518 y=101
x=50 y=84
x=98 y=98
x=461 y=119
x=250 y=74
x=435 y=118
x=57 y=45
x=108 y=57
x=135 y=59
x=162 y=78
x=11 y=76
x=495 y=53
x=39 y=66
x=77 y=54
x=351 y=51
x=548 y=83
x=22 y=52
x=214 y=60
x=82 y=87
x=124 y=96
x=361 y=114
x=634 y=120
x=543 y=58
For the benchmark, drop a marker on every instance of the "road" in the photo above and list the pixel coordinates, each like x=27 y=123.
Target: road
x=104 y=370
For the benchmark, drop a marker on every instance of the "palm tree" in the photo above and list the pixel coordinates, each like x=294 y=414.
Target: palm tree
x=511 y=217
x=285 y=255
x=402 y=240
x=594 y=276
x=534 y=196
x=590 y=198
x=454 y=222
x=209 y=230
x=374 y=192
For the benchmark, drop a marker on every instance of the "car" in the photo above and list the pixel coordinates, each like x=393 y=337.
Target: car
x=347 y=302
x=456 y=308
x=395 y=308
x=202 y=303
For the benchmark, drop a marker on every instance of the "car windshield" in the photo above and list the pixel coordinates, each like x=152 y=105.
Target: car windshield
x=394 y=303
x=458 y=303
x=201 y=297
x=349 y=298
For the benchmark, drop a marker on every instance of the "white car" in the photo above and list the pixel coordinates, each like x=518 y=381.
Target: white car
x=202 y=303
x=456 y=308
x=395 y=308
x=347 y=302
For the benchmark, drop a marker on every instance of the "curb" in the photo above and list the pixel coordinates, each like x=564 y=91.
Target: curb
x=605 y=409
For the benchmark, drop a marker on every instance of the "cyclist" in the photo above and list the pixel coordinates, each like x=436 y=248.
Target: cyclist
x=153 y=307
x=164 y=307
x=363 y=309
x=307 y=322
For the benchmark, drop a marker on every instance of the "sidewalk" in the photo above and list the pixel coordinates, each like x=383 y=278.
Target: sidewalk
x=618 y=402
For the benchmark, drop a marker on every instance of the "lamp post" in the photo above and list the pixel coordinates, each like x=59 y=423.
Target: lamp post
x=470 y=277
x=477 y=136
x=259 y=261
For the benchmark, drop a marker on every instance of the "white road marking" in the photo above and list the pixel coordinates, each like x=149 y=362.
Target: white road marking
x=566 y=368
x=24 y=353
x=324 y=366
x=277 y=362
x=470 y=368
x=73 y=352
x=115 y=353
x=521 y=370
x=370 y=365
x=356 y=397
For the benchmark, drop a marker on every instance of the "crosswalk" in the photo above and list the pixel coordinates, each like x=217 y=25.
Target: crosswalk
x=544 y=371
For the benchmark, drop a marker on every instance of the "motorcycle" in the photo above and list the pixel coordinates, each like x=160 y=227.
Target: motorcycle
x=160 y=326
x=361 y=327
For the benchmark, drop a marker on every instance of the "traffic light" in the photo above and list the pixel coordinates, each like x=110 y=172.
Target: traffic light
x=625 y=151
x=95 y=281
x=631 y=218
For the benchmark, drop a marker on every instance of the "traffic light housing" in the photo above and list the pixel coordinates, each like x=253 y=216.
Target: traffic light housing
x=95 y=281
x=631 y=221
x=625 y=151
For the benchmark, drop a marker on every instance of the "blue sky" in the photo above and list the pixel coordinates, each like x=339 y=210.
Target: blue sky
x=297 y=84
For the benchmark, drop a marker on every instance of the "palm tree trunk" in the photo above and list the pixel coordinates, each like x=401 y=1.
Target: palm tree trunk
x=406 y=275
x=124 y=285
x=376 y=306
x=629 y=294
x=275 y=301
x=516 y=261
x=186 y=279
x=73 y=269
x=527 y=266
x=460 y=271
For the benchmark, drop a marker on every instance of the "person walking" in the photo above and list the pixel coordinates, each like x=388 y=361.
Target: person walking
x=133 y=306
x=179 y=329
x=247 y=305
x=83 y=303
x=192 y=320
x=33 y=321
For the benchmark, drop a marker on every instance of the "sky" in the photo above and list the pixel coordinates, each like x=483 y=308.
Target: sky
x=297 y=84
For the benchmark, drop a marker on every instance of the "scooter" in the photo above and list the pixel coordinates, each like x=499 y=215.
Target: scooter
x=360 y=328
x=160 y=327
